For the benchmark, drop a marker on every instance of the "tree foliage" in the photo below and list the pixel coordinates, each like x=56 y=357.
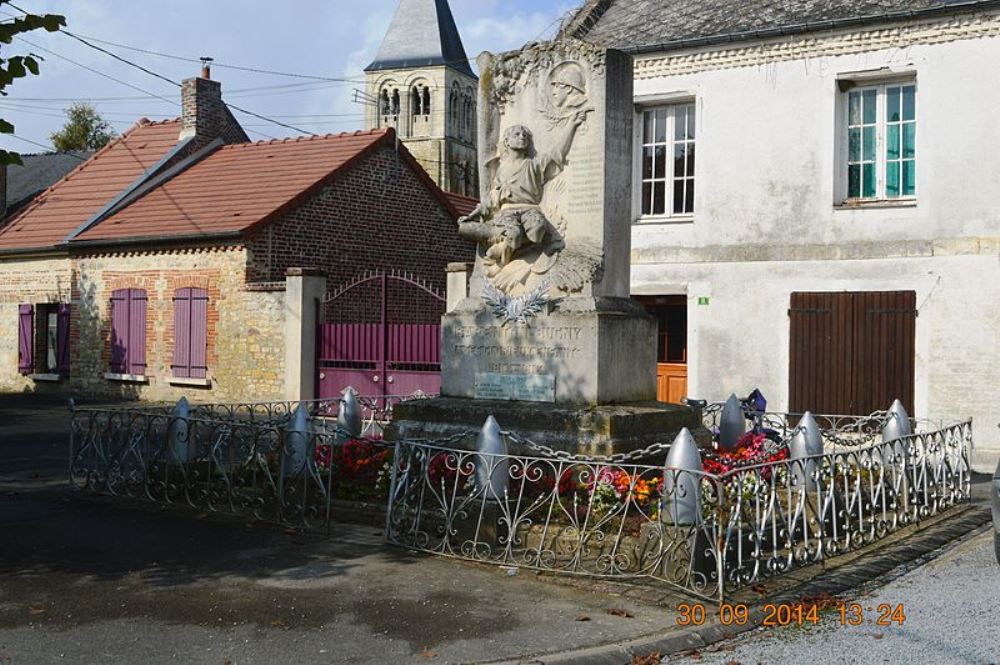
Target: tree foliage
x=19 y=66
x=85 y=129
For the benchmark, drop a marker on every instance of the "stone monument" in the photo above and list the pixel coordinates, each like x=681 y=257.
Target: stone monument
x=548 y=339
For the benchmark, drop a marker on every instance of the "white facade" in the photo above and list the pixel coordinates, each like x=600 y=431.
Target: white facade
x=769 y=219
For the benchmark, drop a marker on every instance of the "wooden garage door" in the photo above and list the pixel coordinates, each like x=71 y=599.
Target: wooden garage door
x=851 y=352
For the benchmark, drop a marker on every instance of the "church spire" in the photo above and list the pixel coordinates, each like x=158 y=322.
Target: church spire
x=422 y=34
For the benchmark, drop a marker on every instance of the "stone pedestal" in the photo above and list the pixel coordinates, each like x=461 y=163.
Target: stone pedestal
x=583 y=352
x=599 y=430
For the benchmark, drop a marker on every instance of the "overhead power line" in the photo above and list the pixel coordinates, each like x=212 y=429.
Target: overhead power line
x=151 y=94
x=98 y=72
x=47 y=147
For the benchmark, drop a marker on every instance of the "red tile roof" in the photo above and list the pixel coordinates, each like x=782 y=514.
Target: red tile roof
x=462 y=204
x=70 y=202
x=242 y=186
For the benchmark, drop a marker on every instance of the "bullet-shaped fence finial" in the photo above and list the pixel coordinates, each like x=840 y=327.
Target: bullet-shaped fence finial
x=349 y=414
x=681 y=487
x=732 y=423
x=492 y=464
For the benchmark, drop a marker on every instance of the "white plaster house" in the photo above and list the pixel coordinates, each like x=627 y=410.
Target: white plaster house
x=836 y=241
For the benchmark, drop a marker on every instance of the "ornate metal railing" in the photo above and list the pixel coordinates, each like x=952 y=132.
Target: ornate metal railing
x=706 y=534
x=636 y=515
x=564 y=515
x=288 y=475
x=375 y=410
x=786 y=514
x=840 y=430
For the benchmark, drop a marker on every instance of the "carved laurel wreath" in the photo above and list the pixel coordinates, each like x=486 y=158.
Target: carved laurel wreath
x=515 y=309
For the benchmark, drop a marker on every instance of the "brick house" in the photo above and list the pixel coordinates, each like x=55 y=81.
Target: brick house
x=158 y=267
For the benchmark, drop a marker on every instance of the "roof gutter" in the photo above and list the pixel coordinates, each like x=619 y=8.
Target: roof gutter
x=158 y=240
x=812 y=26
x=34 y=252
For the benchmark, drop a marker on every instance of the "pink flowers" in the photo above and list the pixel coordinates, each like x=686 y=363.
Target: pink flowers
x=750 y=449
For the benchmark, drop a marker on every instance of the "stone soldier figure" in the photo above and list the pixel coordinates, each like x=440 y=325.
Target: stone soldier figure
x=518 y=242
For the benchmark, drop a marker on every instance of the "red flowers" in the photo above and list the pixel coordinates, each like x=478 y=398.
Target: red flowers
x=356 y=465
x=750 y=449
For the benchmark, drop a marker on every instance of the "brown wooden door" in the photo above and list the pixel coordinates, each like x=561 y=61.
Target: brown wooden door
x=851 y=352
x=671 y=382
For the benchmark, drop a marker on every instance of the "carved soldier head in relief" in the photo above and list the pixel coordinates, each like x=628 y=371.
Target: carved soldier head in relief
x=567 y=87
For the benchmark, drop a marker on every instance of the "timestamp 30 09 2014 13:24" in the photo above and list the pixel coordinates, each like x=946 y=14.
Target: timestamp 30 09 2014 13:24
x=793 y=614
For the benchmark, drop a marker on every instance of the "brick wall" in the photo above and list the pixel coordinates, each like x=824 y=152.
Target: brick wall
x=377 y=216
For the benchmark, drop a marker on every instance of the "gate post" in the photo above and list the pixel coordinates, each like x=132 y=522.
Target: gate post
x=458 y=284
x=305 y=289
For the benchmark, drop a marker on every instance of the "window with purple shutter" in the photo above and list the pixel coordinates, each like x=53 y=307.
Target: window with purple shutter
x=190 y=333
x=25 y=339
x=128 y=331
x=62 y=340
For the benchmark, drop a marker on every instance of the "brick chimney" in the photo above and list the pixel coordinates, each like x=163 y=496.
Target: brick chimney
x=203 y=113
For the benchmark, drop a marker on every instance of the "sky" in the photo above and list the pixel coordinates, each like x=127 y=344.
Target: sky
x=332 y=39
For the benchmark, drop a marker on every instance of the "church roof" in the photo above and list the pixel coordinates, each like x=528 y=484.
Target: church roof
x=641 y=26
x=422 y=34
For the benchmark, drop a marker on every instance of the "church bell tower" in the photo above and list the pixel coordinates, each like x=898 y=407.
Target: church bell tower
x=421 y=84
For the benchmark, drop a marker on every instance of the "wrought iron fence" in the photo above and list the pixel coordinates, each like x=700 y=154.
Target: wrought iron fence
x=669 y=513
x=285 y=474
x=375 y=411
x=706 y=534
x=563 y=515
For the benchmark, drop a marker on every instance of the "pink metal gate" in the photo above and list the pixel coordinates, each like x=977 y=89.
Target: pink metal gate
x=381 y=335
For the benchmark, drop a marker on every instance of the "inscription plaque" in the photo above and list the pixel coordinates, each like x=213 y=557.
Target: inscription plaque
x=518 y=387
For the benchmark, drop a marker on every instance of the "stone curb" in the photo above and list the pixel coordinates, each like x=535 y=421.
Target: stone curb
x=874 y=569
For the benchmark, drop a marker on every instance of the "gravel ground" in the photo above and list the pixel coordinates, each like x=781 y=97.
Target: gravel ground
x=951 y=617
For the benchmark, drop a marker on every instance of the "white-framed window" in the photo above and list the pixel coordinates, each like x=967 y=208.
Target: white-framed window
x=666 y=162
x=880 y=134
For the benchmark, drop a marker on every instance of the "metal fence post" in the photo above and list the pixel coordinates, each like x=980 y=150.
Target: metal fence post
x=349 y=414
x=682 y=488
x=491 y=462
x=178 y=432
x=732 y=424
x=72 y=440
x=296 y=442
x=896 y=427
x=806 y=442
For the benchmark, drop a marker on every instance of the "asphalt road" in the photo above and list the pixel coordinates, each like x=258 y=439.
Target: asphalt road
x=951 y=618
x=97 y=580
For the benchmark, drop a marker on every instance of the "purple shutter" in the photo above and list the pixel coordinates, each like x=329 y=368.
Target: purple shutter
x=119 y=329
x=25 y=341
x=199 y=333
x=62 y=340
x=181 y=366
x=136 y=346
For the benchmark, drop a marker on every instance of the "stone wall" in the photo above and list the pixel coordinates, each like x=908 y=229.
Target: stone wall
x=245 y=327
x=24 y=282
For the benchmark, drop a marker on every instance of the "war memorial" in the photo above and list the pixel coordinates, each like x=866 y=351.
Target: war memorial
x=546 y=448
x=547 y=338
